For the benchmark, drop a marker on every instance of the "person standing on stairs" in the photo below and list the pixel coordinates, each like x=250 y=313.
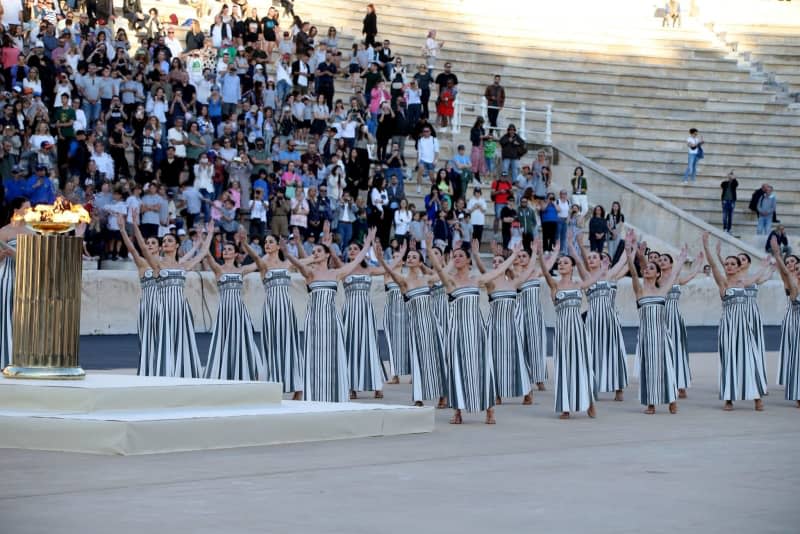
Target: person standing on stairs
x=695 y=144
x=728 y=197
x=369 y=29
x=495 y=96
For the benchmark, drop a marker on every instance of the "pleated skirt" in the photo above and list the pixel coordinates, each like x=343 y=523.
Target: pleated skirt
x=177 y=353
x=361 y=342
x=395 y=326
x=572 y=360
x=739 y=377
x=325 y=377
x=429 y=372
x=7 y=280
x=657 y=382
x=676 y=330
x=532 y=331
x=789 y=365
x=233 y=353
x=147 y=327
x=471 y=384
x=606 y=343
x=504 y=344
x=757 y=330
x=280 y=340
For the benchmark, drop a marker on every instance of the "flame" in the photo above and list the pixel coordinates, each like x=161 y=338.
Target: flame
x=60 y=213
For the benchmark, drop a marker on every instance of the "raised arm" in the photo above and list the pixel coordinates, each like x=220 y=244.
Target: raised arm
x=789 y=281
x=348 y=268
x=716 y=269
x=137 y=233
x=259 y=263
x=306 y=272
x=583 y=269
x=501 y=269
x=138 y=259
x=763 y=274
x=440 y=271
x=298 y=243
x=582 y=248
x=476 y=257
x=697 y=268
x=676 y=269
x=212 y=263
x=637 y=287
x=545 y=271
x=390 y=269
x=192 y=253
x=620 y=269
x=190 y=264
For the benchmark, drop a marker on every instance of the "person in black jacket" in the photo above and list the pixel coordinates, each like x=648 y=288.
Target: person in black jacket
x=402 y=127
x=370 y=26
x=728 y=198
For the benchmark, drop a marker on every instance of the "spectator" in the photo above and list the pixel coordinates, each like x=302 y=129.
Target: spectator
x=695 y=144
x=501 y=194
x=427 y=155
x=430 y=50
x=495 y=96
x=153 y=211
x=512 y=149
x=402 y=219
x=550 y=221
x=476 y=208
x=299 y=210
x=579 y=189
x=728 y=196
x=563 y=206
x=527 y=222
x=767 y=206
x=598 y=230
x=615 y=220
x=369 y=27
x=672 y=12
x=779 y=233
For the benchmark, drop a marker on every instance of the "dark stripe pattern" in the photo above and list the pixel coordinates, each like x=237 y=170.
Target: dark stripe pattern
x=441 y=307
x=146 y=324
x=657 y=384
x=233 y=353
x=177 y=348
x=504 y=345
x=532 y=331
x=789 y=366
x=7 y=280
x=426 y=351
x=325 y=377
x=754 y=316
x=739 y=359
x=361 y=335
x=572 y=357
x=676 y=330
x=605 y=338
x=471 y=373
x=395 y=325
x=280 y=337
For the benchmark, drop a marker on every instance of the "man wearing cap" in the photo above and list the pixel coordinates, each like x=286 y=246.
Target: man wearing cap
x=47 y=156
x=231 y=90
x=15 y=185
x=38 y=188
x=512 y=149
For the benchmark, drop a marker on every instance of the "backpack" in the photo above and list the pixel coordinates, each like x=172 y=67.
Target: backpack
x=757 y=194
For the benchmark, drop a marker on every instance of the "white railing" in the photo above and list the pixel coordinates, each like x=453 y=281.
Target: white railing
x=509 y=115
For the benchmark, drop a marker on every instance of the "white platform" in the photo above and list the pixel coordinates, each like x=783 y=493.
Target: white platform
x=119 y=414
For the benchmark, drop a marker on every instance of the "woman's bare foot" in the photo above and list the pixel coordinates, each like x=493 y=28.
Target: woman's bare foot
x=527 y=399
x=798 y=404
x=418 y=404
x=673 y=407
x=298 y=395
x=619 y=395
x=490 y=416
x=728 y=406
x=353 y=395
x=682 y=393
x=379 y=394
x=650 y=409
x=564 y=415
x=591 y=412
x=456 y=420
x=395 y=380
x=759 y=405
x=498 y=400
x=442 y=403
x=540 y=386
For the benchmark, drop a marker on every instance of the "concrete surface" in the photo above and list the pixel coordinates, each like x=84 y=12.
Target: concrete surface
x=702 y=470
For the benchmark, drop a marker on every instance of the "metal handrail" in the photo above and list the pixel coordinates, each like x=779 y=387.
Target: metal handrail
x=521 y=112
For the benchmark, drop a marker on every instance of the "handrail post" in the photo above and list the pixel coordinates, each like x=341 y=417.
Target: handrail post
x=484 y=109
x=456 y=126
x=548 y=126
x=522 y=127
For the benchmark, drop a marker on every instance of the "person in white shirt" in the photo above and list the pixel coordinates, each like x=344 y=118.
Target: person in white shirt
x=476 y=207
x=105 y=164
x=117 y=210
x=431 y=50
x=258 y=214
x=427 y=154
x=172 y=43
x=80 y=116
x=178 y=138
x=204 y=183
x=563 y=206
x=402 y=220
x=695 y=144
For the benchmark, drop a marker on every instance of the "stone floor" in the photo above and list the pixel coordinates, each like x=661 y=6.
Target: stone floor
x=702 y=470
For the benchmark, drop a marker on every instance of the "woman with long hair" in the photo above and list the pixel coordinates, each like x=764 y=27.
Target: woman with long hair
x=325 y=373
x=476 y=136
x=740 y=378
x=572 y=353
x=789 y=363
x=598 y=229
x=369 y=27
x=395 y=319
x=657 y=381
x=381 y=215
x=615 y=221
x=233 y=353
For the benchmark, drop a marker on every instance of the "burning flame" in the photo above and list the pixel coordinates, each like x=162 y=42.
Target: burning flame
x=59 y=216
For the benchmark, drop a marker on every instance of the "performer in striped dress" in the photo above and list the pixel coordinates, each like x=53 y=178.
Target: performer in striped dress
x=233 y=353
x=572 y=357
x=8 y=245
x=280 y=336
x=676 y=329
x=395 y=326
x=738 y=349
x=146 y=325
x=425 y=348
x=657 y=380
x=602 y=323
x=530 y=319
x=503 y=335
x=755 y=314
x=325 y=374
x=441 y=303
x=789 y=365
x=471 y=380
x=175 y=346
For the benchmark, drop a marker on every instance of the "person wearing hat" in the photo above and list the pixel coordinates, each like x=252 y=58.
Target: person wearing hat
x=39 y=188
x=15 y=185
x=231 y=90
x=512 y=148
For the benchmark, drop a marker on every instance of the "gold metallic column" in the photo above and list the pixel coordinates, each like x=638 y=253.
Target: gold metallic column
x=47 y=308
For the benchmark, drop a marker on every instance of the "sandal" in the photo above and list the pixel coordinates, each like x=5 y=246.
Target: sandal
x=490 y=417
x=564 y=415
x=728 y=406
x=527 y=400
x=418 y=404
x=298 y=395
x=456 y=419
x=498 y=401
x=759 y=405
x=353 y=395
x=650 y=410
x=673 y=407
x=540 y=386
x=379 y=394
x=682 y=394
x=591 y=412
x=395 y=380
x=619 y=396
x=442 y=403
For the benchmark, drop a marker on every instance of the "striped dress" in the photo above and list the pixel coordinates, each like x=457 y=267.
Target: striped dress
x=361 y=335
x=426 y=351
x=676 y=330
x=739 y=378
x=504 y=345
x=657 y=383
x=147 y=324
x=7 y=280
x=572 y=356
x=325 y=375
x=395 y=326
x=280 y=337
x=441 y=307
x=470 y=376
x=233 y=353
x=530 y=322
x=757 y=328
x=789 y=367
x=176 y=353
x=605 y=338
